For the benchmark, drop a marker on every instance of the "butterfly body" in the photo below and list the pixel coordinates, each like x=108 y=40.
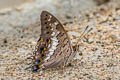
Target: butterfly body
x=53 y=48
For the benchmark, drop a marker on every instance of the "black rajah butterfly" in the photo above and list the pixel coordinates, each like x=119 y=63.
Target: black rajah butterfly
x=53 y=48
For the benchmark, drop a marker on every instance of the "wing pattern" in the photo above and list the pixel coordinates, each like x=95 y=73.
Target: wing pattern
x=53 y=47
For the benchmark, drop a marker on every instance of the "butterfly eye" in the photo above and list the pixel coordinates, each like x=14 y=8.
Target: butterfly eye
x=46 y=15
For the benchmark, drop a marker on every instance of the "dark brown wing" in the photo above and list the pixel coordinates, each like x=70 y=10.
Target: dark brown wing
x=54 y=47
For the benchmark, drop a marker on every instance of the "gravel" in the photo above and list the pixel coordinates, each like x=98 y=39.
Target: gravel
x=98 y=57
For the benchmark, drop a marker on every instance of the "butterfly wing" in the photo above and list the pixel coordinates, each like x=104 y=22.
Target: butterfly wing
x=53 y=48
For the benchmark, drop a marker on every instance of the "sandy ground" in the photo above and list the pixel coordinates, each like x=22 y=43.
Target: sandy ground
x=10 y=3
x=98 y=57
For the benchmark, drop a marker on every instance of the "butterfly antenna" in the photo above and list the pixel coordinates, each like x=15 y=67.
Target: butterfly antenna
x=84 y=33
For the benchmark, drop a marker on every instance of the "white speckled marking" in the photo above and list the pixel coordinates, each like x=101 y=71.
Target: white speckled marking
x=50 y=24
x=56 y=23
x=47 y=58
x=51 y=53
x=52 y=29
x=50 y=16
x=48 y=45
x=53 y=33
x=53 y=45
x=49 y=19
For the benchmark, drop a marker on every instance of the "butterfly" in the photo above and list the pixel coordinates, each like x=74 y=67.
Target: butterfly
x=53 y=48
